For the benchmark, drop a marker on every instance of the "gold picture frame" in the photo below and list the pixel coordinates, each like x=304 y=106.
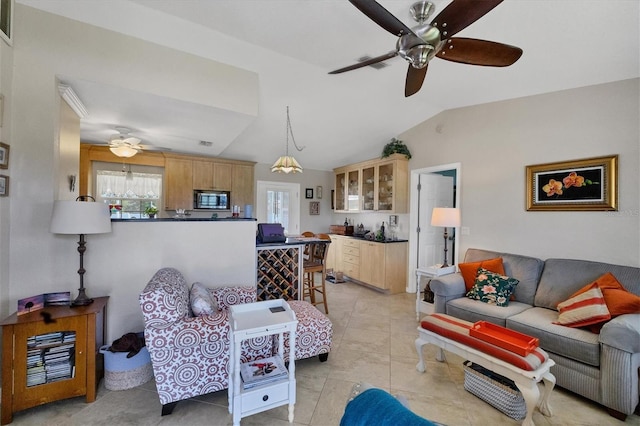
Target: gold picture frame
x=578 y=185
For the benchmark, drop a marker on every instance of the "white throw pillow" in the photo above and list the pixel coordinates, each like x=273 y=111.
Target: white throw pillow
x=201 y=301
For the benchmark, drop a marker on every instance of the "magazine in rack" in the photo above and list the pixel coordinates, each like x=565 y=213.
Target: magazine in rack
x=262 y=371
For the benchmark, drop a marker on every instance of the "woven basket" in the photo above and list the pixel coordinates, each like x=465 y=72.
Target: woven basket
x=495 y=390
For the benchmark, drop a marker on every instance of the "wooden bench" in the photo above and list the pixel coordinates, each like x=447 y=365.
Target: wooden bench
x=525 y=379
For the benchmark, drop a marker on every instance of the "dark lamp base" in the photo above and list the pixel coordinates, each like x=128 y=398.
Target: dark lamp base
x=82 y=299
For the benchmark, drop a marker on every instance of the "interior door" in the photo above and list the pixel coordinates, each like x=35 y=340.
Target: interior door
x=435 y=191
x=279 y=202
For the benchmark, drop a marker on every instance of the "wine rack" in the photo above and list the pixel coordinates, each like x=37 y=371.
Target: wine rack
x=279 y=272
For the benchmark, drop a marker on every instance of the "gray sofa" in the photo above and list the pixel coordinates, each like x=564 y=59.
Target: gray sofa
x=602 y=367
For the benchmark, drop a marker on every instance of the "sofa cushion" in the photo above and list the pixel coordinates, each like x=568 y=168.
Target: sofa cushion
x=469 y=271
x=574 y=343
x=563 y=277
x=473 y=310
x=492 y=288
x=525 y=269
x=202 y=303
x=619 y=301
x=585 y=308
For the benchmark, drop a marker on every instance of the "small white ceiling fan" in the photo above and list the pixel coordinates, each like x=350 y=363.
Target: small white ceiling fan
x=124 y=145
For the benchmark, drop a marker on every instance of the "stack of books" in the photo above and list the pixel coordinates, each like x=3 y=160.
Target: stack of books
x=262 y=372
x=50 y=357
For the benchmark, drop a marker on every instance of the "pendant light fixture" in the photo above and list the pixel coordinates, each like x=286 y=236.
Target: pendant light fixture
x=286 y=163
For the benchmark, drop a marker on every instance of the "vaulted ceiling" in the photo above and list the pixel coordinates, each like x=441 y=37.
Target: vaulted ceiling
x=293 y=44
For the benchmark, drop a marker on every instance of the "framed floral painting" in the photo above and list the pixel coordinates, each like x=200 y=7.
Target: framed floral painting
x=579 y=185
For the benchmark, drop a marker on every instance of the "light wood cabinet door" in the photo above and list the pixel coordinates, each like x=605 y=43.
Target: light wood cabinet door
x=372 y=264
x=212 y=175
x=202 y=174
x=222 y=176
x=242 y=185
x=178 y=176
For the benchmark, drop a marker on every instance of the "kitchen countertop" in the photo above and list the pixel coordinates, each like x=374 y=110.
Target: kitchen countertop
x=358 y=237
x=290 y=241
x=186 y=219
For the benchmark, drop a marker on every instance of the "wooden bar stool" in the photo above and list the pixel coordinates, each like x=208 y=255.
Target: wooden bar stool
x=316 y=263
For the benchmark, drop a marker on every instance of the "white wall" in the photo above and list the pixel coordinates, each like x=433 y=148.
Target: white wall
x=46 y=47
x=121 y=263
x=494 y=143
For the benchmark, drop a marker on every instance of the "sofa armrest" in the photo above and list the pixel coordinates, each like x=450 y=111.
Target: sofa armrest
x=623 y=333
x=189 y=332
x=445 y=288
x=233 y=295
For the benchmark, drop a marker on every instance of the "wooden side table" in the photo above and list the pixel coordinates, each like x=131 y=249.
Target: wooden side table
x=430 y=272
x=51 y=354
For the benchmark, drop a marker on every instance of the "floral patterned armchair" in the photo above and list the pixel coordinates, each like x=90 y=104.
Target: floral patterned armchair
x=190 y=355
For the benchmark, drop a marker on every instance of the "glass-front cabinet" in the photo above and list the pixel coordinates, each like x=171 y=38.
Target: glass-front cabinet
x=373 y=186
x=340 y=191
x=353 y=195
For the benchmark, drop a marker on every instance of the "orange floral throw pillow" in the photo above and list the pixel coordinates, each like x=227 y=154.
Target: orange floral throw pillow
x=469 y=270
x=619 y=301
x=584 y=309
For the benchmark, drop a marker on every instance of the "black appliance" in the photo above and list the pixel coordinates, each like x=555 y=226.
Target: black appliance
x=211 y=200
x=270 y=233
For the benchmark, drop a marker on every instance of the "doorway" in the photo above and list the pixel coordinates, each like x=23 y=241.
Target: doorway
x=279 y=202
x=436 y=186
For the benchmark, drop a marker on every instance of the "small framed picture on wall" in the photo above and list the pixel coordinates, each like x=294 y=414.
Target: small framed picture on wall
x=4 y=186
x=319 y=192
x=308 y=193
x=314 y=208
x=4 y=156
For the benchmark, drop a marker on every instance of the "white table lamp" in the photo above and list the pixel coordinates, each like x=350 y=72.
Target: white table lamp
x=80 y=217
x=445 y=217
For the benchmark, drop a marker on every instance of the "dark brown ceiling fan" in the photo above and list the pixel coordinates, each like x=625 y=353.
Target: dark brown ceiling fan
x=418 y=45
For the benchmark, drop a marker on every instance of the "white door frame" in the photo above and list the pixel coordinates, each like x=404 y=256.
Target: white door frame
x=413 y=218
x=294 y=202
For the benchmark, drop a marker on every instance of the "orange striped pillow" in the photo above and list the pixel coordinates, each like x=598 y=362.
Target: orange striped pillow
x=584 y=309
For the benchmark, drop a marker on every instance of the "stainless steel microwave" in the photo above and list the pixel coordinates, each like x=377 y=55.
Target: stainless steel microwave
x=211 y=200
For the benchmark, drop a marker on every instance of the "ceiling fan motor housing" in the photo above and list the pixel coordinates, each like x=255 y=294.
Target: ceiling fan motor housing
x=421 y=49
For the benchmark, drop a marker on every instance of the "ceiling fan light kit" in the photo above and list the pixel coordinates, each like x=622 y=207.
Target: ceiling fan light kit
x=420 y=44
x=123 y=145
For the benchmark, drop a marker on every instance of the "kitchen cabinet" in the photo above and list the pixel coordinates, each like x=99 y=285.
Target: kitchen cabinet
x=178 y=176
x=45 y=361
x=183 y=174
x=374 y=185
x=212 y=175
x=380 y=265
x=242 y=185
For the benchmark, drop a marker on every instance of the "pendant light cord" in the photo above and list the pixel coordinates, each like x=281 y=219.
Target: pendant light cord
x=290 y=131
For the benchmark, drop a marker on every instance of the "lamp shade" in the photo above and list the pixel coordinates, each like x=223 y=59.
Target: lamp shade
x=286 y=164
x=80 y=217
x=445 y=217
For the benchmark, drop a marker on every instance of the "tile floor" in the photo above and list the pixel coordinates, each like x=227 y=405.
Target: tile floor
x=373 y=342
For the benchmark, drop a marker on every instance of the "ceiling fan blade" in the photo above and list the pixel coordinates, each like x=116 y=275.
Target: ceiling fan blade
x=415 y=77
x=382 y=17
x=366 y=63
x=479 y=52
x=459 y=14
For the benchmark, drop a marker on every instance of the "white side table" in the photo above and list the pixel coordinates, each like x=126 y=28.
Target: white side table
x=251 y=320
x=429 y=272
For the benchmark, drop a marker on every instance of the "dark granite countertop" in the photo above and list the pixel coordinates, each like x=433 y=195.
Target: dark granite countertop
x=360 y=237
x=186 y=219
